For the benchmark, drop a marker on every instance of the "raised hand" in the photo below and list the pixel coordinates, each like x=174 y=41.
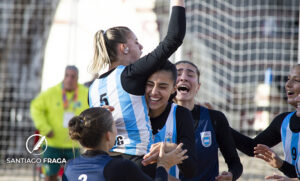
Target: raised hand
x=268 y=155
x=152 y=156
x=167 y=160
x=280 y=178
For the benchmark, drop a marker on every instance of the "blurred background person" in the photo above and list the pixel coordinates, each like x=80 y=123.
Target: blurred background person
x=51 y=111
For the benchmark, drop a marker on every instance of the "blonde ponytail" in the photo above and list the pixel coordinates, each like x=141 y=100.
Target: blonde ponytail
x=105 y=47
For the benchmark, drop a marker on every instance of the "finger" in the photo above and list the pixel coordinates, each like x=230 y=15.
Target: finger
x=162 y=150
x=179 y=147
x=155 y=146
x=262 y=157
x=183 y=152
x=273 y=177
x=150 y=160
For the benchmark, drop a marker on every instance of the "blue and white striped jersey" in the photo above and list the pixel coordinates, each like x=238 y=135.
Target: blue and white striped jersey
x=134 y=133
x=290 y=141
x=169 y=134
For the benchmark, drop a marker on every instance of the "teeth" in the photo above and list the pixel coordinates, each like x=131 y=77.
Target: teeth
x=154 y=99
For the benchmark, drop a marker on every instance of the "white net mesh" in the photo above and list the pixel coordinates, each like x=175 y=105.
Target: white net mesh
x=24 y=30
x=244 y=50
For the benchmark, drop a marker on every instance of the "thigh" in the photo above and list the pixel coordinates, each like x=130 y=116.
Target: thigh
x=51 y=168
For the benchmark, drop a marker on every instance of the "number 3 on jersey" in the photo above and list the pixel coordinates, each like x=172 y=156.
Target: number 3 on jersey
x=82 y=177
x=103 y=100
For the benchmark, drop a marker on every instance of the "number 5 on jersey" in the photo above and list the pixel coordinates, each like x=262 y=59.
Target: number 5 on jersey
x=103 y=100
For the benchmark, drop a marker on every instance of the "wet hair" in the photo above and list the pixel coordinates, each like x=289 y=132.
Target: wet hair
x=192 y=64
x=89 y=127
x=72 y=67
x=105 y=46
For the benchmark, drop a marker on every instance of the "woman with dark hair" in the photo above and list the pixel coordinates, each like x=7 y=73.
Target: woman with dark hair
x=95 y=130
x=211 y=129
x=170 y=122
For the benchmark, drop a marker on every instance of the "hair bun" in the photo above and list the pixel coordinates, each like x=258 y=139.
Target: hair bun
x=76 y=127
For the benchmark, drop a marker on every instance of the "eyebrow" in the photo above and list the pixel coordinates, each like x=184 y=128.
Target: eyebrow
x=189 y=70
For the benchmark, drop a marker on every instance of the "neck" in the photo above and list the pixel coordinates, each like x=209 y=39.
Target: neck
x=112 y=66
x=189 y=104
x=100 y=147
x=157 y=112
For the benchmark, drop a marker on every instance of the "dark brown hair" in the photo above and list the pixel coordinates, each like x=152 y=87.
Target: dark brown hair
x=89 y=127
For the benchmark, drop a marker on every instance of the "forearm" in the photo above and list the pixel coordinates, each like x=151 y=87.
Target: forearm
x=243 y=143
x=236 y=168
x=288 y=169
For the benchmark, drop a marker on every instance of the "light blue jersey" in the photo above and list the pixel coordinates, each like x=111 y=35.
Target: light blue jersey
x=134 y=133
x=169 y=134
x=297 y=166
x=290 y=141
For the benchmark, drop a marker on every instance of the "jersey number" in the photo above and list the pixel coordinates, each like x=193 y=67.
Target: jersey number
x=294 y=153
x=103 y=100
x=82 y=177
x=119 y=140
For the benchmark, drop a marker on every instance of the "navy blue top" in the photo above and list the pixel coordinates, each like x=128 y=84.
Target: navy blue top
x=99 y=166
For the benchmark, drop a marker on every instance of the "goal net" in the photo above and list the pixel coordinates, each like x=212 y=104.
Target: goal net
x=244 y=50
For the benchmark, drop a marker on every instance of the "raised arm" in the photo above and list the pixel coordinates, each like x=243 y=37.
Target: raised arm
x=134 y=76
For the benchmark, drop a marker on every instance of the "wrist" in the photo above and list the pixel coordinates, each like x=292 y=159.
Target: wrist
x=164 y=166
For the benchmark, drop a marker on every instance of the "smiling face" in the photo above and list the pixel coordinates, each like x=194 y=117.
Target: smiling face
x=187 y=82
x=159 y=88
x=292 y=86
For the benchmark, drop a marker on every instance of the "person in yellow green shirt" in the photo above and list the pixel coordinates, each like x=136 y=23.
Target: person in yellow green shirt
x=51 y=111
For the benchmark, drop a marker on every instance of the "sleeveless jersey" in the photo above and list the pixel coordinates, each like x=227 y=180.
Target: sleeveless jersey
x=130 y=114
x=169 y=134
x=86 y=168
x=290 y=140
x=206 y=149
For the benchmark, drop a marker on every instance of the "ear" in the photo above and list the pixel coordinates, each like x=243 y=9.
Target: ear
x=198 y=86
x=174 y=89
x=107 y=136
x=124 y=48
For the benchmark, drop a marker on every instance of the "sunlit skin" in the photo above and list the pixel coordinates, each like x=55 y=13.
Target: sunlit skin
x=292 y=86
x=128 y=52
x=187 y=85
x=159 y=88
x=134 y=48
x=70 y=80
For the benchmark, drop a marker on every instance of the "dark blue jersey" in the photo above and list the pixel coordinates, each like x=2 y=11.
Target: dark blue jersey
x=99 y=166
x=206 y=149
x=87 y=168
